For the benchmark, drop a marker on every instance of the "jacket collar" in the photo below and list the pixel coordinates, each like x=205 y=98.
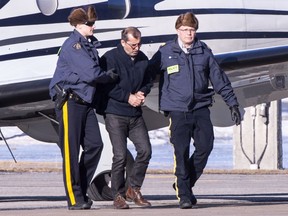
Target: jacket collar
x=80 y=38
x=124 y=54
x=196 y=47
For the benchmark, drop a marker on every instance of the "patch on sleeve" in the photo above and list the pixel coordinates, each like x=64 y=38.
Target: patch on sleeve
x=77 y=46
x=173 y=69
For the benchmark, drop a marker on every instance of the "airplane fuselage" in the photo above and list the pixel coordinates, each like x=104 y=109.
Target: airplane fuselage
x=30 y=40
x=32 y=35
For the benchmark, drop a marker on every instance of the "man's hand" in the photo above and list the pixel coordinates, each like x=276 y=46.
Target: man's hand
x=235 y=115
x=140 y=95
x=134 y=100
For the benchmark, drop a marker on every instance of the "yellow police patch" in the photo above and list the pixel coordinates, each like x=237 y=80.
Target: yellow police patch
x=173 y=69
x=77 y=46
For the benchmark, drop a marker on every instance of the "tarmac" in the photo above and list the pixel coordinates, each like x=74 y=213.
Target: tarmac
x=219 y=192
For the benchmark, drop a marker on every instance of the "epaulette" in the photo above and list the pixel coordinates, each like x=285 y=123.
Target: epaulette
x=205 y=45
x=166 y=43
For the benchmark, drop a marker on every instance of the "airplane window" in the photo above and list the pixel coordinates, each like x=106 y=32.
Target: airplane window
x=47 y=7
x=3 y=2
x=119 y=8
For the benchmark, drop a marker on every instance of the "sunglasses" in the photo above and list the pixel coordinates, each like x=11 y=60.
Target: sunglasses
x=90 y=24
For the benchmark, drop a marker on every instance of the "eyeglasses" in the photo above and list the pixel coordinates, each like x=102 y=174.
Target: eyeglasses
x=133 y=46
x=187 y=30
x=90 y=24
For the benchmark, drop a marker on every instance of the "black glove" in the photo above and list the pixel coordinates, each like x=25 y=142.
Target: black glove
x=235 y=115
x=114 y=76
x=107 y=77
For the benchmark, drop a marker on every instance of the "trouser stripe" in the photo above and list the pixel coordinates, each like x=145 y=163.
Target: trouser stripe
x=67 y=155
x=176 y=186
x=174 y=160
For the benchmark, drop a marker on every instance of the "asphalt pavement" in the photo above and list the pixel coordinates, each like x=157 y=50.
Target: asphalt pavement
x=29 y=193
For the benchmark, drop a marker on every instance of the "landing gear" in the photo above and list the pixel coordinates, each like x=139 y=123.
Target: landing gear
x=100 y=188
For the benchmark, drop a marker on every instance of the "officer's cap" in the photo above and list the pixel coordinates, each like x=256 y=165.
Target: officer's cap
x=187 y=19
x=82 y=15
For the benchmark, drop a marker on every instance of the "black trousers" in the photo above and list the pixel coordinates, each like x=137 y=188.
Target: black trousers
x=120 y=128
x=78 y=126
x=184 y=126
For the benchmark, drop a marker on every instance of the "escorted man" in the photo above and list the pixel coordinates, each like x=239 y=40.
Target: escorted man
x=123 y=116
x=72 y=88
x=187 y=67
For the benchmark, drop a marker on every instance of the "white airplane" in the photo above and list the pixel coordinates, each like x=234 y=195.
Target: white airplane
x=248 y=37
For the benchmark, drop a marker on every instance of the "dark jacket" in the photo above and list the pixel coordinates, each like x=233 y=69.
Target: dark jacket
x=133 y=77
x=76 y=69
x=185 y=78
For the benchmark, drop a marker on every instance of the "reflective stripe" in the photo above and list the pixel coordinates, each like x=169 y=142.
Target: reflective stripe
x=170 y=123
x=67 y=155
x=176 y=186
x=174 y=160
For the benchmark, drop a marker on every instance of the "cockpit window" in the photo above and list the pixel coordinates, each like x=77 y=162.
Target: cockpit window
x=3 y=2
x=47 y=7
x=119 y=8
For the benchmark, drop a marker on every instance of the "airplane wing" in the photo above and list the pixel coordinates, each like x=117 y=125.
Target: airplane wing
x=27 y=105
x=257 y=76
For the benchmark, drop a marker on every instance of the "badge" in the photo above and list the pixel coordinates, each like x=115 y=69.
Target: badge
x=77 y=46
x=173 y=69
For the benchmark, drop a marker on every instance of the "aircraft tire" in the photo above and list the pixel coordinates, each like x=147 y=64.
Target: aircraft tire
x=100 y=189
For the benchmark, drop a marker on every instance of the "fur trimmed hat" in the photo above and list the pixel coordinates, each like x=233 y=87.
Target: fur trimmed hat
x=82 y=15
x=187 y=19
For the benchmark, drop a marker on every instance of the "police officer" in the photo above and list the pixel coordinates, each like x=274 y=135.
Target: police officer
x=72 y=88
x=186 y=67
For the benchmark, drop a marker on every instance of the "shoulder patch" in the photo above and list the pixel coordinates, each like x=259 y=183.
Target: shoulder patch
x=77 y=46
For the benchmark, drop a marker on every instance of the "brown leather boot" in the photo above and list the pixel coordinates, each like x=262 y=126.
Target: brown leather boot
x=120 y=202
x=134 y=194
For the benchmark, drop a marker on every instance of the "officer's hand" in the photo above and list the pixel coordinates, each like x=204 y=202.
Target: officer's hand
x=235 y=115
x=114 y=76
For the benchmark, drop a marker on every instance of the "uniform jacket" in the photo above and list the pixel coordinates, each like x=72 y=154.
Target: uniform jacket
x=77 y=70
x=133 y=77
x=185 y=78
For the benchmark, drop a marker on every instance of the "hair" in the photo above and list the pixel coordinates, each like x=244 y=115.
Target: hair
x=130 y=30
x=82 y=15
x=187 y=19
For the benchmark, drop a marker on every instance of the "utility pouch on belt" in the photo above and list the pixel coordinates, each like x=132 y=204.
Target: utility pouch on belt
x=61 y=97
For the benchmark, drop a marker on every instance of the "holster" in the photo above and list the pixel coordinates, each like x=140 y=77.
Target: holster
x=61 y=96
